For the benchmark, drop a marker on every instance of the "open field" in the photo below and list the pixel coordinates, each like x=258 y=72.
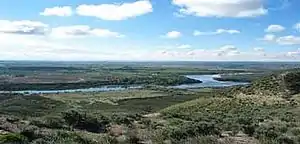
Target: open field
x=130 y=101
x=105 y=97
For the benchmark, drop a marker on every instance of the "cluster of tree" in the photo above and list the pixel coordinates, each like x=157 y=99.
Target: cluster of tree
x=240 y=77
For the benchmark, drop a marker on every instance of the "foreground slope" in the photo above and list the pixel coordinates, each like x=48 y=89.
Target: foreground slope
x=267 y=110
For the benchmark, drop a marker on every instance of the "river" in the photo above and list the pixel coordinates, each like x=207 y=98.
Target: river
x=207 y=81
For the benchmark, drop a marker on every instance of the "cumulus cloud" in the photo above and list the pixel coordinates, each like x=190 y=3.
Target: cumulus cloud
x=173 y=34
x=274 y=28
x=221 y=8
x=218 y=31
x=24 y=27
x=227 y=50
x=288 y=40
x=35 y=28
x=82 y=30
x=116 y=11
x=57 y=11
x=284 y=40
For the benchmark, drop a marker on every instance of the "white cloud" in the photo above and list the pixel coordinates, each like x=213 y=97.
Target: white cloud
x=288 y=40
x=81 y=31
x=293 y=54
x=30 y=47
x=259 y=49
x=218 y=31
x=24 y=27
x=116 y=11
x=297 y=26
x=57 y=11
x=221 y=8
x=274 y=28
x=268 y=37
x=224 y=53
x=184 y=46
x=173 y=35
x=284 y=40
x=227 y=50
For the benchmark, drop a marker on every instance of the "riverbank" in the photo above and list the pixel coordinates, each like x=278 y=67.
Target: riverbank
x=163 y=80
x=194 y=81
x=239 y=77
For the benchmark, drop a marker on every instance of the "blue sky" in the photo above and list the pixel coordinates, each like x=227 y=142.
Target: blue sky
x=202 y=30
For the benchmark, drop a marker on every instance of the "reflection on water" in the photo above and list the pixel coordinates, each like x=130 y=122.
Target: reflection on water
x=208 y=81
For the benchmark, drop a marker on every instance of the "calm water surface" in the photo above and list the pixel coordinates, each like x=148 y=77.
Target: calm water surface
x=208 y=81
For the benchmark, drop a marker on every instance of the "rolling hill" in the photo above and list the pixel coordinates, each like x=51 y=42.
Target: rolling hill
x=267 y=110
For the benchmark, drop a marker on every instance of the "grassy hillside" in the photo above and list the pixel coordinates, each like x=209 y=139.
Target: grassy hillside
x=29 y=106
x=267 y=110
x=282 y=84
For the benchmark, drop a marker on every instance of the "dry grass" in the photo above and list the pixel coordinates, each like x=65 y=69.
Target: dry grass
x=105 y=97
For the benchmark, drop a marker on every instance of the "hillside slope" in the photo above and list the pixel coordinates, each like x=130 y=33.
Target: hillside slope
x=267 y=110
x=282 y=84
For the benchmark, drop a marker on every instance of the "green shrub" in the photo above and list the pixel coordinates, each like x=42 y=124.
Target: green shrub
x=194 y=129
x=12 y=138
x=295 y=131
x=265 y=140
x=53 y=122
x=284 y=139
x=271 y=130
x=126 y=119
x=132 y=137
x=85 y=121
x=29 y=132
